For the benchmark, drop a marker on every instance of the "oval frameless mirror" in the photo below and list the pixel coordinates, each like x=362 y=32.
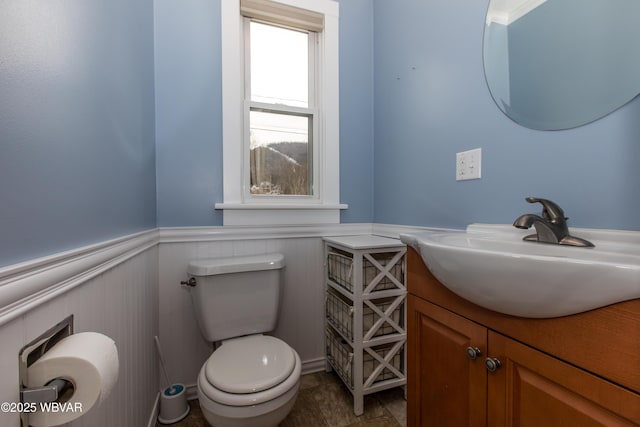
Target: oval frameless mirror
x=559 y=64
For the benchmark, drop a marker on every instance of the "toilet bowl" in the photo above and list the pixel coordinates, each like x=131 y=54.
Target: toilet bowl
x=250 y=381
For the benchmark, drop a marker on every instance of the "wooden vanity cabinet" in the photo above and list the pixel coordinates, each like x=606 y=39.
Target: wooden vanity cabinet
x=443 y=387
x=532 y=389
x=542 y=379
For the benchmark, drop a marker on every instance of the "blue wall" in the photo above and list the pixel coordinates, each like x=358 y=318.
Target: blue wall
x=189 y=111
x=412 y=80
x=356 y=110
x=77 y=156
x=78 y=162
x=431 y=101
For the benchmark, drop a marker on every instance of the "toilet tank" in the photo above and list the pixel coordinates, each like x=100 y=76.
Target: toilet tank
x=236 y=296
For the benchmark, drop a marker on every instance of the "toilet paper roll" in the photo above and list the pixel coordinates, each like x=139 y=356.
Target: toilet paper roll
x=89 y=361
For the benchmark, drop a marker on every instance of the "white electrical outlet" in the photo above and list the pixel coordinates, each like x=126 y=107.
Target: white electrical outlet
x=469 y=165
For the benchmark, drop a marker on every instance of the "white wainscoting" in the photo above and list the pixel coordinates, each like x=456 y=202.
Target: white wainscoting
x=129 y=289
x=110 y=288
x=301 y=319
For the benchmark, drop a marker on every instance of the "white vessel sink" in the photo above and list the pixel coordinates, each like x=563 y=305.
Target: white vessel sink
x=491 y=266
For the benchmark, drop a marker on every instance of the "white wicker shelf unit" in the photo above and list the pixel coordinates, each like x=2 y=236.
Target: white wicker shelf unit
x=365 y=313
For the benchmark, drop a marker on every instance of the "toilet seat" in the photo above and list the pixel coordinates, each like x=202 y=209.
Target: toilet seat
x=220 y=369
x=250 y=364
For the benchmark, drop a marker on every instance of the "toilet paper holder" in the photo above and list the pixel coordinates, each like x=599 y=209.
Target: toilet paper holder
x=32 y=352
x=47 y=393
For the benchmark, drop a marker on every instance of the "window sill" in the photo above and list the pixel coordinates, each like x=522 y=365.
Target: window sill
x=280 y=214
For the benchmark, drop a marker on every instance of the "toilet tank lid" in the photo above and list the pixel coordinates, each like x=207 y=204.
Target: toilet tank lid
x=236 y=264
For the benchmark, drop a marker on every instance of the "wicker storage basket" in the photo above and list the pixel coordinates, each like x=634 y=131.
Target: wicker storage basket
x=340 y=355
x=340 y=269
x=339 y=312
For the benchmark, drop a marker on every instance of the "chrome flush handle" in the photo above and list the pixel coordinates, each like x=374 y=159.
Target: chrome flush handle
x=189 y=283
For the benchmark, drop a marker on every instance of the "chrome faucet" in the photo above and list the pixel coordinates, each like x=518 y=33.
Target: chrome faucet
x=551 y=226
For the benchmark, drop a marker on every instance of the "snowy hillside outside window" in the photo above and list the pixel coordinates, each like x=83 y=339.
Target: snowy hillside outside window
x=280 y=77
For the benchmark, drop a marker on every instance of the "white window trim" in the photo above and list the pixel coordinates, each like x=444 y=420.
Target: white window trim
x=240 y=210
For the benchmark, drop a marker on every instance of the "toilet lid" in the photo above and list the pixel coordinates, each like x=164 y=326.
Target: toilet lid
x=250 y=364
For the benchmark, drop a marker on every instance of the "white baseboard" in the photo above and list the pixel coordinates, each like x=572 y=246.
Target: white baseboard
x=313 y=365
x=155 y=410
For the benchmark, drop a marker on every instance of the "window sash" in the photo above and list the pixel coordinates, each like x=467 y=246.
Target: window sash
x=311 y=112
x=293 y=185
x=314 y=173
x=311 y=63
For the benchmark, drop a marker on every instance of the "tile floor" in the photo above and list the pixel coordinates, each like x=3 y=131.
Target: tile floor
x=324 y=401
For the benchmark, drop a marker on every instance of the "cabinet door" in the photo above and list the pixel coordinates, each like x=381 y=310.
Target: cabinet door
x=532 y=389
x=445 y=387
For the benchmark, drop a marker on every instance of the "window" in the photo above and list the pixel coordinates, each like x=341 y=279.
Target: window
x=280 y=112
x=279 y=98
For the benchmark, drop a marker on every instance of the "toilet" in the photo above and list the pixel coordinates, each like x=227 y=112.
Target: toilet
x=251 y=379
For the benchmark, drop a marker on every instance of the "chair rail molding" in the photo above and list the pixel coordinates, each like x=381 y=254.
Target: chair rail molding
x=28 y=284
x=206 y=234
